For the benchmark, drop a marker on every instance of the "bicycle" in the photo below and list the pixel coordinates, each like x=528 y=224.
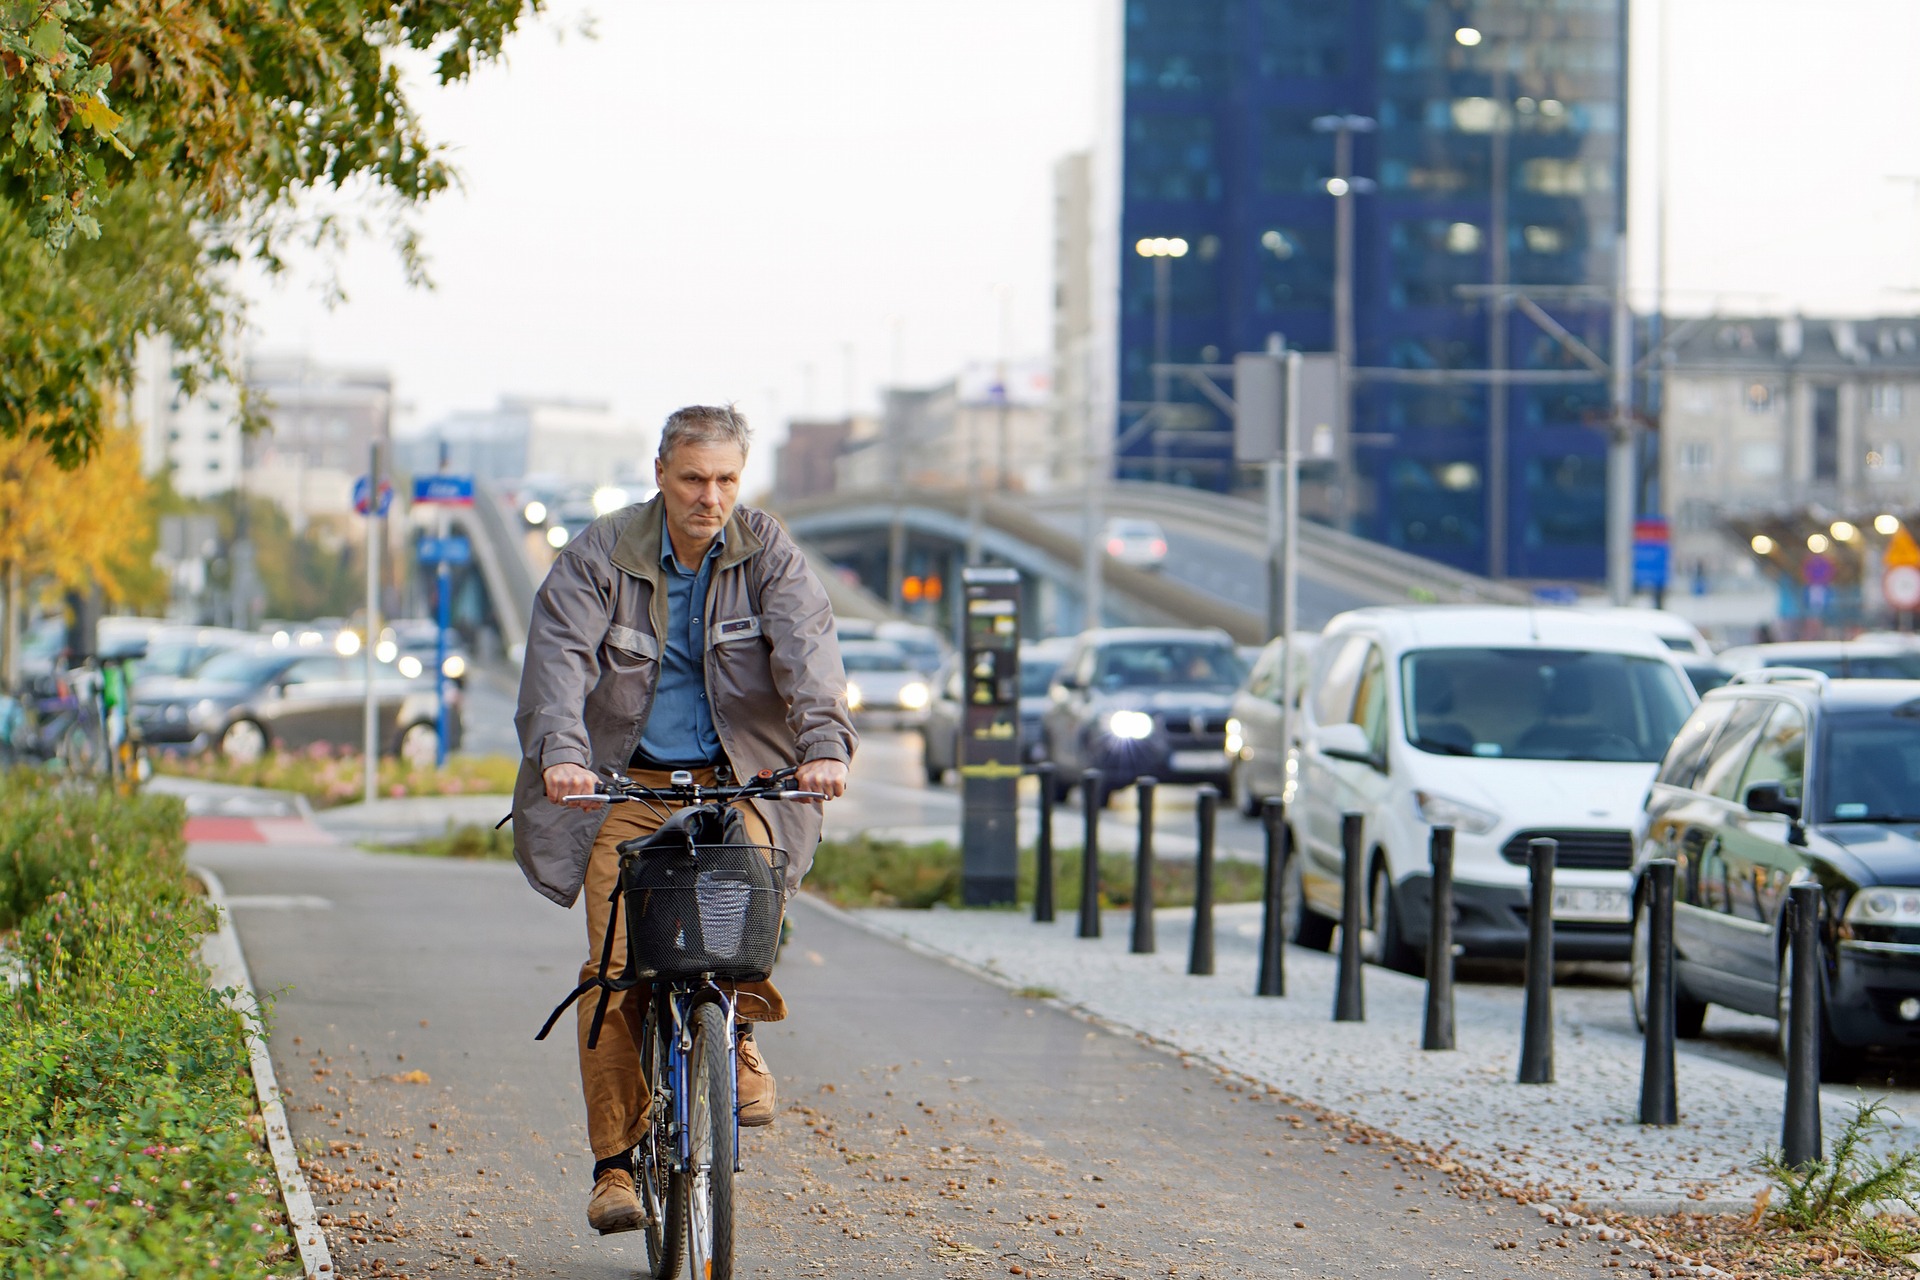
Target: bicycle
x=704 y=905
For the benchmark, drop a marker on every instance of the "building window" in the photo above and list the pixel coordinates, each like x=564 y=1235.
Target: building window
x=1887 y=460
x=1696 y=516
x=1696 y=458
x=1761 y=459
x=1884 y=399
x=1760 y=398
x=1552 y=176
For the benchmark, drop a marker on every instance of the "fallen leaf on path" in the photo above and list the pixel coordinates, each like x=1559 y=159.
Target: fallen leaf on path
x=416 y=1076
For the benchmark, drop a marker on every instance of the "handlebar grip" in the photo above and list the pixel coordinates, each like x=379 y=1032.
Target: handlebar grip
x=796 y=795
x=597 y=795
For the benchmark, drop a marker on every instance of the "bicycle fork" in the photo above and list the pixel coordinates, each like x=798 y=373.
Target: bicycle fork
x=680 y=1126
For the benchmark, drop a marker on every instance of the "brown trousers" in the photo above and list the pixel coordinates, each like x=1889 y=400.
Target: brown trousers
x=610 y=1074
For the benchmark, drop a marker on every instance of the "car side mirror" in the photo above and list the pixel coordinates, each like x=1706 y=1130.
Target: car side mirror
x=1347 y=742
x=1768 y=797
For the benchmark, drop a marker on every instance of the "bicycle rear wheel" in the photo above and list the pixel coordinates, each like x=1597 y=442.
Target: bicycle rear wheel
x=662 y=1192
x=710 y=1139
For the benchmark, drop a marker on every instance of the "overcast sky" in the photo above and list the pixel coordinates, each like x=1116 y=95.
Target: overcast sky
x=788 y=202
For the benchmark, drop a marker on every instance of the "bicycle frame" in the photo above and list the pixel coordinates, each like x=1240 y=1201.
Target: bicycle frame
x=679 y=999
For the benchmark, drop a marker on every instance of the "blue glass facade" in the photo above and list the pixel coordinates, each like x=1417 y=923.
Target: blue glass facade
x=1497 y=161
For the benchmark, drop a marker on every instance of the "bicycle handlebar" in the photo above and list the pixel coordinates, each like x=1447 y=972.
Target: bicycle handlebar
x=766 y=785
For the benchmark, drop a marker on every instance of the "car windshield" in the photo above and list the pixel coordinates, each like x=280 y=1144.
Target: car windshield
x=1542 y=704
x=874 y=657
x=1165 y=664
x=1035 y=675
x=1872 y=766
x=238 y=666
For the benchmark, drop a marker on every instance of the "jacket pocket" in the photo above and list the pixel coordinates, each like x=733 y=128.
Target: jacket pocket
x=630 y=650
x=735 y=630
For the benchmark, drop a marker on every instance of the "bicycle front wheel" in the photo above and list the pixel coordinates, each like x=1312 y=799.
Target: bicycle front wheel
x=662 y=1191
x=710 y=1141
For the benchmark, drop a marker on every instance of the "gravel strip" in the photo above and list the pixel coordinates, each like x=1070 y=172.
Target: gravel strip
x=1577 y=1139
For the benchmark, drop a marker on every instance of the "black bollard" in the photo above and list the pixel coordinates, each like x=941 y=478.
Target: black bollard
x=1536 y=1039
x=1438 y=1031
x=1800 y=1135
x=1043 y=847
x=1090 y=788
x=1143 y=941
x=1273 y=946
x=1206 y=810
x=1659 y=1096
x=1349 y=999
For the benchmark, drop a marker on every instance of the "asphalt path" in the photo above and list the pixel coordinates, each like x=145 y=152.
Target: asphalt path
x=931 y=1124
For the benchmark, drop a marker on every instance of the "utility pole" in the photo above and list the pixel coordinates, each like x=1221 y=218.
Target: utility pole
x=1622 y=439
x=1343 y=187
x=371 y=744
x=1498 y=392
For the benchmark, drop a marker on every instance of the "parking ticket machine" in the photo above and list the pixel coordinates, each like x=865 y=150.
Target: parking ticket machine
x=990 y=737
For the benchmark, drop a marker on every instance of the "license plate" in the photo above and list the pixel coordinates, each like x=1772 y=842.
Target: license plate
x=1605 y=905
x=1198 y=761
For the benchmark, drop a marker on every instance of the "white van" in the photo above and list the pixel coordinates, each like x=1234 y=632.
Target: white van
x=1507 y=724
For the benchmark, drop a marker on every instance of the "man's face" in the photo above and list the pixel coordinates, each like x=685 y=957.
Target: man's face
x=699 y=483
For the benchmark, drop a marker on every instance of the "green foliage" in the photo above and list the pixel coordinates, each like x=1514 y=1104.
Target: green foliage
x=864 y=872
x=128 y=1142
x=464 y=841
x=226 y=120
x=330 y=776
x=1837 y=1195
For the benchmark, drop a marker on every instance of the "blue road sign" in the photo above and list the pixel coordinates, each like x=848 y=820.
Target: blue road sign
x=446 y=490
x=361 y=485
x=449 y=550
x=1651 y=562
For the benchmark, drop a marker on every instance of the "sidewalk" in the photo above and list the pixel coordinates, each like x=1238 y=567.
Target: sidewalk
x=1577 y=1139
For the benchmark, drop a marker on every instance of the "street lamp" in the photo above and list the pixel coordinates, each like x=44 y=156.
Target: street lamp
x=1343 y=186
x=1162 y=250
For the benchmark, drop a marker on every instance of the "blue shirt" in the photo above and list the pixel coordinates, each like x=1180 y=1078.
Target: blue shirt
x=679 y=729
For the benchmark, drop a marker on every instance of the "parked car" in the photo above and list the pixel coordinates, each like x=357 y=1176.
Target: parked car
x=1506 y=724
x=1674 y=631
x=247 y=701
x=1257 y=760
x=175 y=653
x=1847 y=659
x=946 y=714
x=1138 y=702
x=1140 y=543
x=1785 y=777
x=1705 y=674
x=882 y=682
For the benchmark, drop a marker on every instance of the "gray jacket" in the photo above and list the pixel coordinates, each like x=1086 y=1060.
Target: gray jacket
x=774 y=678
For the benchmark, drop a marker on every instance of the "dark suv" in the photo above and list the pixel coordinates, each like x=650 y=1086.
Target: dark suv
x=1781 y=777
x=1135 y=702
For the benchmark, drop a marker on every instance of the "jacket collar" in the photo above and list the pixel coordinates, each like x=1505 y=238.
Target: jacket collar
x=640 y=545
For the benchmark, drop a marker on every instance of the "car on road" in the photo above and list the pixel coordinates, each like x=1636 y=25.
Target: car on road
x=248 y=701
x=1846 y=659
x=1786 y=777
x=1506 y=724
x=1257 y=761
x=1137 y=702
x=1140 y=543
x=926 y=648
x=882 y=682
x=946 y=714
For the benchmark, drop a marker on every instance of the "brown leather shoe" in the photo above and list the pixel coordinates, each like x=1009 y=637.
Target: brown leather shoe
x=615 y=1206
x=754 y=1083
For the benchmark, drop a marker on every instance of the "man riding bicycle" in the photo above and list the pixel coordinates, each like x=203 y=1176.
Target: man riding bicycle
x=682 y=633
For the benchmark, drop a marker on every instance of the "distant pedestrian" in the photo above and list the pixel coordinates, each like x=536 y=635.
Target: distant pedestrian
x=682 y=633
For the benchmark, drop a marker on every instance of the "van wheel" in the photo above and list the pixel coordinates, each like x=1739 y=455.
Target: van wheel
x=1300 y=922
x=1384 y=942
x=244 y=742
x=1242 y=792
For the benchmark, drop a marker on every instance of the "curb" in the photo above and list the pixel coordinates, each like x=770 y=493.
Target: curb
x=228 y=964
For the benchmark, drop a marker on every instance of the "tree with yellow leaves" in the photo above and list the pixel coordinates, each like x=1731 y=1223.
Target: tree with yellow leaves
x=60 y=529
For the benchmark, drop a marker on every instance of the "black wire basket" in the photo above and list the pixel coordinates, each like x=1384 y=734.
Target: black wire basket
x=712 y=909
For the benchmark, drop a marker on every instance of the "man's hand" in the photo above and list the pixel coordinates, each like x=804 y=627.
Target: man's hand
x=828 y=777
x=570 y=780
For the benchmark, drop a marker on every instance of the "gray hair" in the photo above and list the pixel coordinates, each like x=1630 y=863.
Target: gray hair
x=705 y=424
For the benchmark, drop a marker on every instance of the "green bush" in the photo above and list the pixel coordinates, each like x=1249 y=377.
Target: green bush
x=468 y=840
x=889 y=873
x=329 y=776
x=129 y=1138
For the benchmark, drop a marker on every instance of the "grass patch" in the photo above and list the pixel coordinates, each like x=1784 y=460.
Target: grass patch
x=328 y=777
x=129 y=1136
x=864 y=872
x=467 y=840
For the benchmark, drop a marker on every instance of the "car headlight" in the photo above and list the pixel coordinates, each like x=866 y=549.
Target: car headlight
x=854 y=696
x=409 y=666
x=386 y=650
x=454 y=667
x=1236 y=738
x=1132 y=725
x=913 y=696
x=1887 y=906
x=204 y=712
x=1438 y=810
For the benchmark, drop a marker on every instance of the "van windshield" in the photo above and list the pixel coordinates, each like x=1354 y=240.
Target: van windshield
x=1541 y=704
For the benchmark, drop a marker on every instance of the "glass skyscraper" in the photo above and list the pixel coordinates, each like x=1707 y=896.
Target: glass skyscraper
x=1488 y=152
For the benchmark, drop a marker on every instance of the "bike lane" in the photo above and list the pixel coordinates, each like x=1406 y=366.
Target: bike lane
x=930 y=1124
